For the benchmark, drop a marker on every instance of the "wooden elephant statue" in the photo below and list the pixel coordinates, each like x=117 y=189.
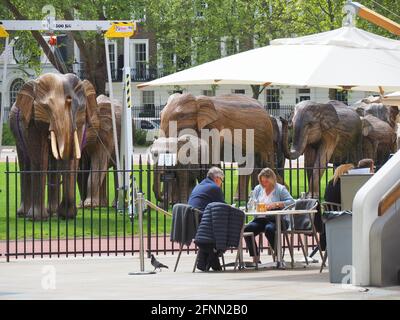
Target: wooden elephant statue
x=379 y=139
x=98 y=154
x=323 y=132
x=225 y=114
x=48 y=121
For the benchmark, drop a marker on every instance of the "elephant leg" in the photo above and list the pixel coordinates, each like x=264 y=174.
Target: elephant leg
x=25 y=184
x=115 y=174
x=53 y=187
x=324 y=154
x=309 y=160
x=83 y=176
x=37 y=209
x=99 y=164
x=67 y=208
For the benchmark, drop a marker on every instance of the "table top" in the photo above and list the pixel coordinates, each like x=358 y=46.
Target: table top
x=278 y=212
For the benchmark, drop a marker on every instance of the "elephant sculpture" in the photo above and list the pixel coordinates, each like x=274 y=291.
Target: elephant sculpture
x=379 y=128
x=177 y=180
x=48 y=120
x=98 y=154
x=225 y=113
x=379 y=139
x=323 y=132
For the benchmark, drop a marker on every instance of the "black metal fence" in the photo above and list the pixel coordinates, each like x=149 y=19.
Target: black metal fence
x=99 y=227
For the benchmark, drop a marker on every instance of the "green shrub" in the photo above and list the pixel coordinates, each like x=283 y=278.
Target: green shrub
x=8 y=137
x=140 y=138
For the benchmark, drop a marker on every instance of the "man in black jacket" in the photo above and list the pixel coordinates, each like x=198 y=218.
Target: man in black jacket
x=208 y=191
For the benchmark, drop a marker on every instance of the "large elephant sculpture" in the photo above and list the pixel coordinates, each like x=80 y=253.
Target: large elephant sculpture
x=176 y=180
x=323 y=132
x=225 y=113
x=98 y=154
x=48 y=120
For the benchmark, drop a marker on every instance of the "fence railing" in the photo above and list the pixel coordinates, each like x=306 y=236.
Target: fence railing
x=99 y=227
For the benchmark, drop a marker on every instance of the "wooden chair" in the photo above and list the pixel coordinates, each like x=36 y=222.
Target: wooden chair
x=328 y=206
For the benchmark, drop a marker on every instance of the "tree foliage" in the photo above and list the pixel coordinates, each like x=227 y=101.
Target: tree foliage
x=191 y=32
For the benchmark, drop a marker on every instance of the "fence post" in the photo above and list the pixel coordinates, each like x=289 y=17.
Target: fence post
x=7 y=210
x=140 y=202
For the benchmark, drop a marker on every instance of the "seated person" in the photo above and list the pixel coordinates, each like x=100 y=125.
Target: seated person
x=332 y=191
x=276 y=197
x=332 y=194
x=209 y=190
x=367 y=163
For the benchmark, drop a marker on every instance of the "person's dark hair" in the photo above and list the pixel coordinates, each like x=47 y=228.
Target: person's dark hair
x=365 y=163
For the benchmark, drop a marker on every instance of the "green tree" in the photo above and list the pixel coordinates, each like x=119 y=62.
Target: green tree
x=91 y=44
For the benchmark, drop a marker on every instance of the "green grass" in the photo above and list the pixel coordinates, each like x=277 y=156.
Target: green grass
x=107 y=221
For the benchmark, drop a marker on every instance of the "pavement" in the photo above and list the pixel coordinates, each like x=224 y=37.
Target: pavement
x=107 y=278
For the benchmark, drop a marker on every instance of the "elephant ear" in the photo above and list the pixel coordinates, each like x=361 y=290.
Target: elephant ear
x=24 y=101
x=329 y=116
x=366 y=127
x=91 y=103
x=206 y=113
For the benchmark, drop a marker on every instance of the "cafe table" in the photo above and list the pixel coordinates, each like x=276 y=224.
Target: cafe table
x=279 y=263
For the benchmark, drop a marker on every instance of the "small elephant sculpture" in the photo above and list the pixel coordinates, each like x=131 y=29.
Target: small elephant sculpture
x=184 y=171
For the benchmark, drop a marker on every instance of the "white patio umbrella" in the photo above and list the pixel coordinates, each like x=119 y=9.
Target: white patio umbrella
x=347 y=58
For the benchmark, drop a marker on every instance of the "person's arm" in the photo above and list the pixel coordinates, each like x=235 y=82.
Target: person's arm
x=286 y=198
x=218 y=195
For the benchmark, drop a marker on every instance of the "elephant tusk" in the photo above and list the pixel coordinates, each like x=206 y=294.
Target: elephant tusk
x=76 y=144
x=54 y=145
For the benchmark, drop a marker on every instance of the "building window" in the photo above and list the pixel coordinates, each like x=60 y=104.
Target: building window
x=239 y=91
x=208 y=93
x=342 y=95
x=16 y=85
x=303 y=94
x=148 y=100
x=141 y=61
x=273 y=98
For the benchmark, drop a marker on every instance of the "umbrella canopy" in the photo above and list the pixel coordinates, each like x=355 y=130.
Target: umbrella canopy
x=345 y=58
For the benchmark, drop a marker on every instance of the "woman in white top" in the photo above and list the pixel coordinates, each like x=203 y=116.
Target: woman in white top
x=276 y=197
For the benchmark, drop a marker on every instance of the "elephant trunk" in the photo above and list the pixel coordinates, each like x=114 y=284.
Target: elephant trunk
x=299 y=141
x=65 y=143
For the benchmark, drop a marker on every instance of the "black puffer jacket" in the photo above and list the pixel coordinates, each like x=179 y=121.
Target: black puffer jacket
x=220 y=225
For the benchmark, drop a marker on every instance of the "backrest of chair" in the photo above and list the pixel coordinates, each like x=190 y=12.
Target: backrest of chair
x=302 y=221
x=331 y=206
